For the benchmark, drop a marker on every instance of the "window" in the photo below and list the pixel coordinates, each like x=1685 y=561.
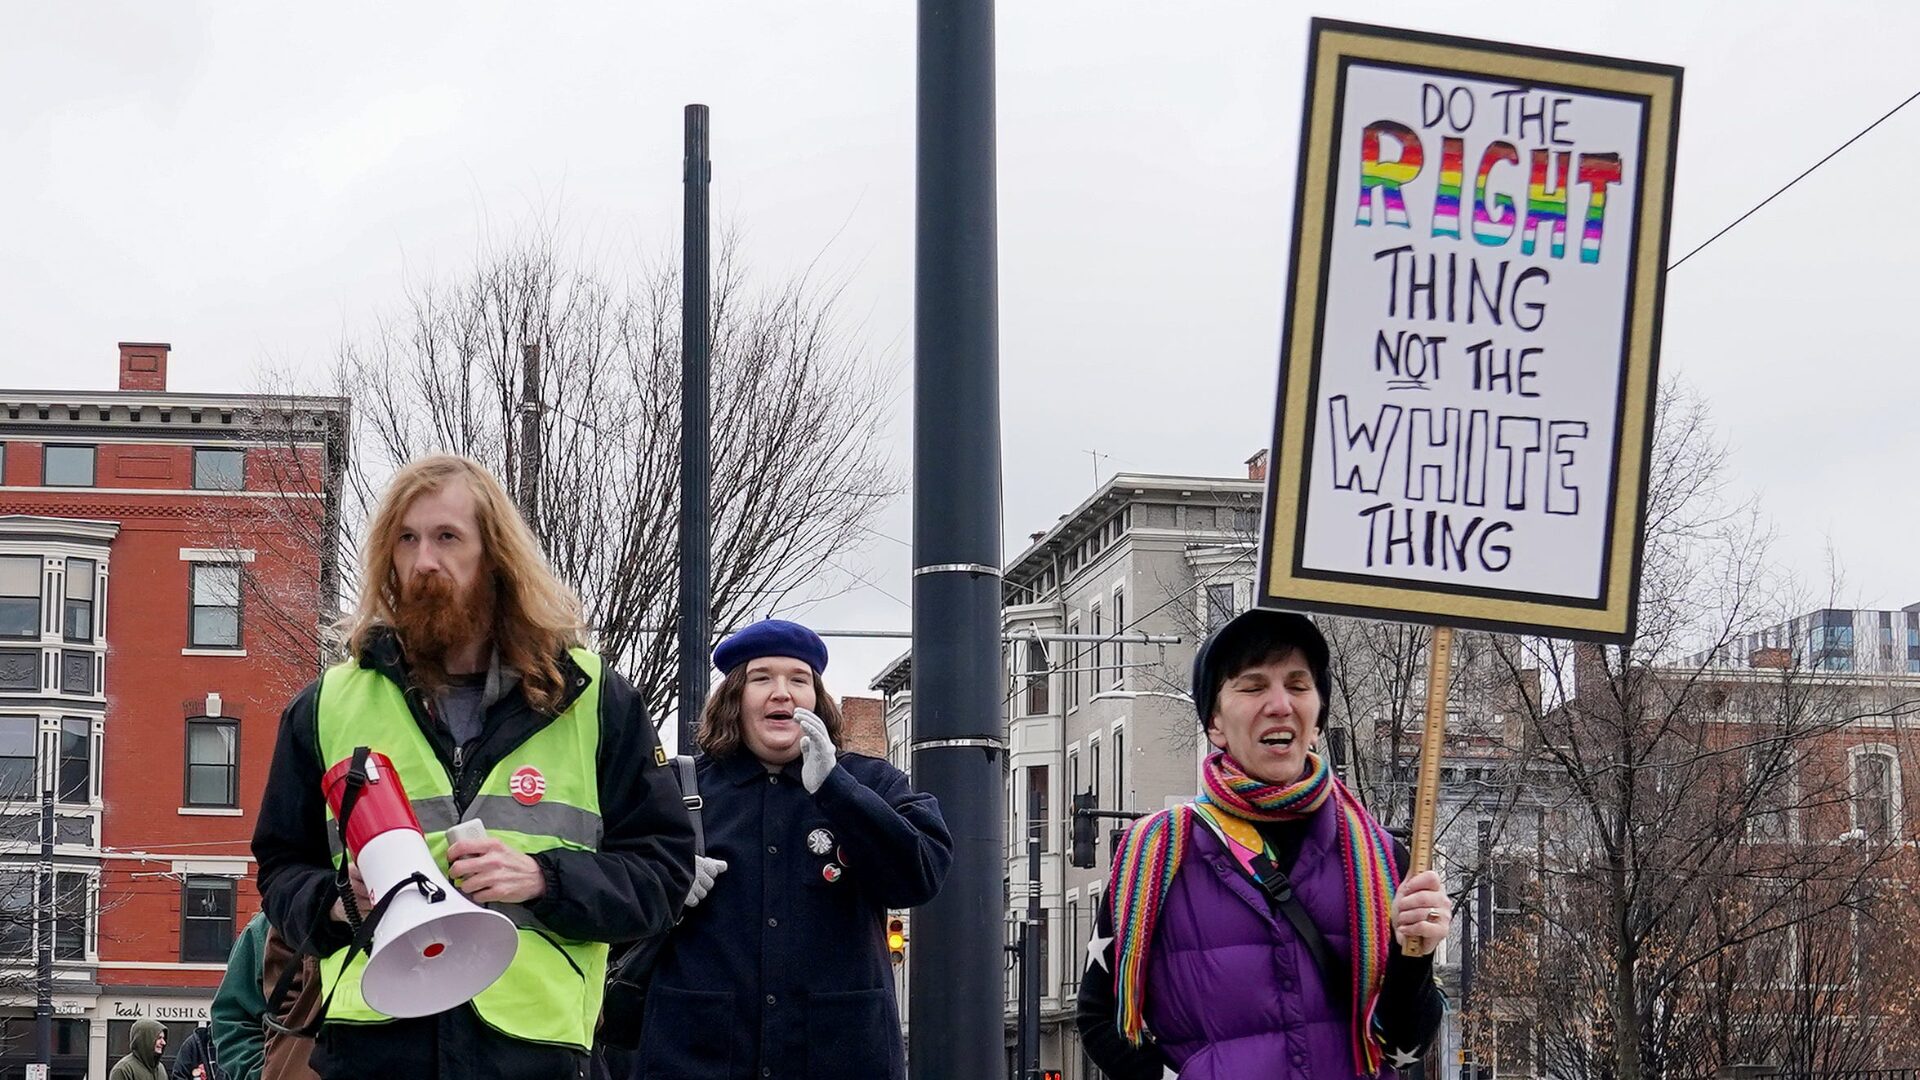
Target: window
x=1098 y=650
x=1772 y=956
x=16 y=914
x=1037 y=679
x=1076 y=933
x=18 y=900
x=79 y=610
x=1119 y=768
x=220 y=470
x=1037 y=798
x=216 y=606
x=1514 y=1048
x=206 y=920
x=1219 y=605
x=1119 y=648
x=1876 y=792
x=1073 y=772
x=1072 y=674
x=1093 y=769
x=20 y=596
x=17 y=758
x=75 y=783
x=68 y=466
x=70 y=917
x=69 y=1039
x=1509 y=886
x=1769 y=785
x=211 y=753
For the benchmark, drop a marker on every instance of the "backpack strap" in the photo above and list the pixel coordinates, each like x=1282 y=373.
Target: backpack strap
x=1277 y=887
x=690 y=797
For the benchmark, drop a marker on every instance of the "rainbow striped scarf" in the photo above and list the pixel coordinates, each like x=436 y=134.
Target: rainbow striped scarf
x=1156 y=845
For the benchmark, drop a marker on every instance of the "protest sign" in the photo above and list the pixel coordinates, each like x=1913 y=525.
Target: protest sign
x=1469 y=359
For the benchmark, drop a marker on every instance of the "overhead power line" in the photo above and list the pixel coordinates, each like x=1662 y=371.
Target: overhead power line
x=1795 y=180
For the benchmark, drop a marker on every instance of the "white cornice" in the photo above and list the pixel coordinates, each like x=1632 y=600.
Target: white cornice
x=17 y=525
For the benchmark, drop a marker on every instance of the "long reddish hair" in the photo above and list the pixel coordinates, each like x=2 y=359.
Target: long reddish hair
x=536 y=616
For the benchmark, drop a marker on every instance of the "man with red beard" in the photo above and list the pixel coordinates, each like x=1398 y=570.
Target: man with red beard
x=467 y=671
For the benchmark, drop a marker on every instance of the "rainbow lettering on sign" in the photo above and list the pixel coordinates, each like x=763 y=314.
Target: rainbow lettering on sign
x=1387 y=176
x=1446 y=202
x=1553 y=177
x=1547 y=202
x=1493 y=229
x=1596 y=171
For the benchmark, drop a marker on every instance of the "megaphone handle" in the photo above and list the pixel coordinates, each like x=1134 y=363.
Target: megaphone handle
x=472 y=829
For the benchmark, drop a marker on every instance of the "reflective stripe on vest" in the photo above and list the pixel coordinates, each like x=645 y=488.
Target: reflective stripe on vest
x=551 y=993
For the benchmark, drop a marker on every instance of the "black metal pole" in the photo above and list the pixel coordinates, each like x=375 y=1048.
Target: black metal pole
x=956 y=1006
x=529 y=479
x=1020 y=936
x=696 y=613
x=43 y=1006
x=1030 y=972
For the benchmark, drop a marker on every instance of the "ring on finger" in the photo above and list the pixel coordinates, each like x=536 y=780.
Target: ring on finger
x=1433 y=914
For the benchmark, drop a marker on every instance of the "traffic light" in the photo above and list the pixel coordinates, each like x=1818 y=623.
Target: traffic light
x=897 y=939
x=1084 y=831
x=1050 y=1074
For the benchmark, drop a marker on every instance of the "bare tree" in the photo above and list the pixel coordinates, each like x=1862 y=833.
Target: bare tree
x=1665 y=862
x=798 y=468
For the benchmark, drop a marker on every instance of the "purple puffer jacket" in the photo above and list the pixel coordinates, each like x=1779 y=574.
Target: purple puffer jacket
x=1234 y=994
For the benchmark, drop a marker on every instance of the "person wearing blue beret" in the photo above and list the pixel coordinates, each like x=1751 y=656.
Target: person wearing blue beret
x=779 y=969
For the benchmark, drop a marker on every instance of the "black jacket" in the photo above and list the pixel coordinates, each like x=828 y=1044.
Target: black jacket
x=196 y=1051
x=782 y=972
x=631 y=888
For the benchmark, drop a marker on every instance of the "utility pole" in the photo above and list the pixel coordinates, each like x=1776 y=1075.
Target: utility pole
x=696 y=611
x=956 y=1030
x=529 y=482
x=43 y=1005
x=1030 y=972
x=1019 y=950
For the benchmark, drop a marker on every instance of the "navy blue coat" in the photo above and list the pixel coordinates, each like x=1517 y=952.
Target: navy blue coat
x=782 y=973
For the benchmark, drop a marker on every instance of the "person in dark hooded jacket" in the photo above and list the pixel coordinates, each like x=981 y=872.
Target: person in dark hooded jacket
x=147 y=1042
x=196 y=1059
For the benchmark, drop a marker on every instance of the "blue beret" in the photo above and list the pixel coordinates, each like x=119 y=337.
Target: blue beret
x=771 y=637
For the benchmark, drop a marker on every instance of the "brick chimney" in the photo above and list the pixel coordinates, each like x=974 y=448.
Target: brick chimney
x=1257 y=466
x=1589 y=669
x=143 y=365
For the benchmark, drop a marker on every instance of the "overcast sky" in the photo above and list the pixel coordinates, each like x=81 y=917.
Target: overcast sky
x=250 y=184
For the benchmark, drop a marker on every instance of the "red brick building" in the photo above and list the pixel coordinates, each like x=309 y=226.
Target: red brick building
x=162 y=560
x=864 y=726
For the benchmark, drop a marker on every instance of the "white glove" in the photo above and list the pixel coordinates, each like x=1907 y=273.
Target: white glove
x=705 y=870
x=816 y=750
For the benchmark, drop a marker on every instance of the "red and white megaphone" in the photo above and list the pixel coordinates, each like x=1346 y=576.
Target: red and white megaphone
x=433 y=949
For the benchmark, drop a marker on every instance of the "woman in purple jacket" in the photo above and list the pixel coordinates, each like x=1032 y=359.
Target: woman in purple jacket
x=1250 y=932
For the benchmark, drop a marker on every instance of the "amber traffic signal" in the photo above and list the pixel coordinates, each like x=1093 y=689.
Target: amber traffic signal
x=897 y=939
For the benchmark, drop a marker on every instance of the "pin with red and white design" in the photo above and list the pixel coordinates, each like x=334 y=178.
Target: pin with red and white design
x=527 y=786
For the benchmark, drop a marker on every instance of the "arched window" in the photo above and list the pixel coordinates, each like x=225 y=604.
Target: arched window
x=1874 y=784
